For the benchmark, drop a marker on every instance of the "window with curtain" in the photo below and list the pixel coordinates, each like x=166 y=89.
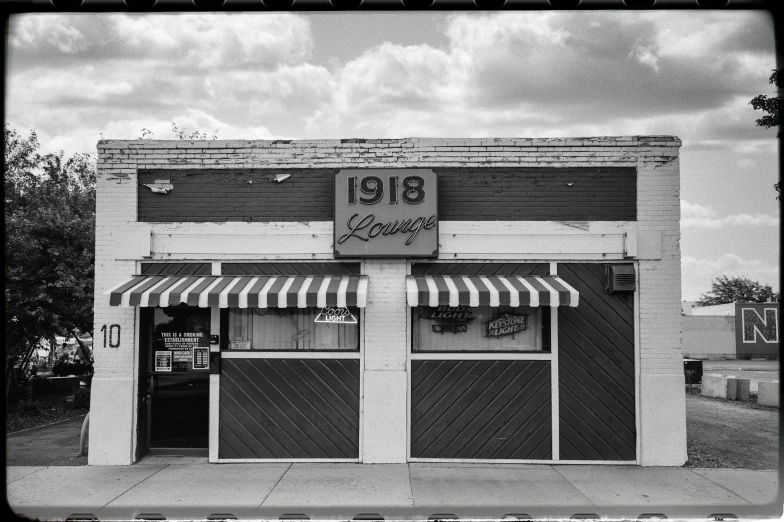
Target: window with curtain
x=289 y=329
x=480 y=329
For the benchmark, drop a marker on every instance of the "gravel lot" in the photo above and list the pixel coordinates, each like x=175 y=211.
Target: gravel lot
x=731 y=434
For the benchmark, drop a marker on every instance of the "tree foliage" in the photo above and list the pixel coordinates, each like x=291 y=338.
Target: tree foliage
x=737 y=290
x=49 y=247
x=771 y=106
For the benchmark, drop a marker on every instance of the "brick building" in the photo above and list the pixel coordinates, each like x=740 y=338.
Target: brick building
x=383 y=301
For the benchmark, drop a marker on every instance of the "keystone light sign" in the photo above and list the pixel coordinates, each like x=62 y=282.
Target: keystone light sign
x=507 y=324
x=386 y=213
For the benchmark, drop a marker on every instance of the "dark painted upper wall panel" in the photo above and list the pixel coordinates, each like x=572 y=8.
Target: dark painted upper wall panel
x=465 y=194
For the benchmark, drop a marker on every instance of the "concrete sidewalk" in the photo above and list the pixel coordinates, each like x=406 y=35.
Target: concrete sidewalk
x=179 y=488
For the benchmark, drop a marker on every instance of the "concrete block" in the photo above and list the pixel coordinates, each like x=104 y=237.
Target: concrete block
x=719 y=386
x=768 y=394
x=743 y=386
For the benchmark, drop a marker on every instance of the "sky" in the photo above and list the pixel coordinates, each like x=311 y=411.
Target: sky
x=78 y=78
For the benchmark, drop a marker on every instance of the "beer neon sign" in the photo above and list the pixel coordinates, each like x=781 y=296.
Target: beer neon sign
x=332 y=314
x=453 y=319
x=507 y=324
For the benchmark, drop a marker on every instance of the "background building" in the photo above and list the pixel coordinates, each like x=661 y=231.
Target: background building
x=732 y=331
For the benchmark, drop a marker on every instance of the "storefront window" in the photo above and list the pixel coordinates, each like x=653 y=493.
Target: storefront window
x=480 y=329
x=284 y=329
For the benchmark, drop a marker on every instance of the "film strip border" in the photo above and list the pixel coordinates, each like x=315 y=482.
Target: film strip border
x=360 y=513
x=368 y=5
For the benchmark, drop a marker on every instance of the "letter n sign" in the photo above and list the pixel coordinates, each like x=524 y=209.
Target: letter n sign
x=753 y=324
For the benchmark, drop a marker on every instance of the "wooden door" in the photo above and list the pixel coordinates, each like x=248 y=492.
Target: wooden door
x=596 y=369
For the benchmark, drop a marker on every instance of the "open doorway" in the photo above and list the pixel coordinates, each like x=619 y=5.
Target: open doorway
x=174 y=381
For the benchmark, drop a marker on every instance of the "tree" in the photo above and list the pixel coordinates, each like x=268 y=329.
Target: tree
x=49 y=248
x=737 y=290
x=771 y=106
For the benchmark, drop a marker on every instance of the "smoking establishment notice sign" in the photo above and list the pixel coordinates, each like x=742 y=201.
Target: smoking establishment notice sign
x=163 y=361
x=201 y=359
x=181 y=347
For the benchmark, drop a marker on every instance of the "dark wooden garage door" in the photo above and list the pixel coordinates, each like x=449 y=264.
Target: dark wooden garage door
x=596 y=369
x=289 y=408
x=480 y=409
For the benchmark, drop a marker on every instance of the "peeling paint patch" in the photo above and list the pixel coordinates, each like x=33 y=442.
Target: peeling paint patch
x=580 y=225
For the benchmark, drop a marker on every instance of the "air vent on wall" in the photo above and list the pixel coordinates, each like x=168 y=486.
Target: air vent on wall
x=620 y=278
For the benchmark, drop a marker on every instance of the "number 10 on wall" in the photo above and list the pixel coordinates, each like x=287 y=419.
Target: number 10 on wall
x=113 y=335
x=412 y=193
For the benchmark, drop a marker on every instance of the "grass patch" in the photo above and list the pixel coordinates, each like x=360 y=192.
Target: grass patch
x=34 y=412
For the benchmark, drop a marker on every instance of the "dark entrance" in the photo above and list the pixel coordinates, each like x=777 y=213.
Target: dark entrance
x=174 y=381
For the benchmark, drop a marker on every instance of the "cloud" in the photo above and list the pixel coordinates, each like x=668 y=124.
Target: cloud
x=84 y=139
x=82 y=83
x=697 y=274
x=698 y=216
x=559 y=74
x=75 y=73
x=201 y=41
x=500 y=74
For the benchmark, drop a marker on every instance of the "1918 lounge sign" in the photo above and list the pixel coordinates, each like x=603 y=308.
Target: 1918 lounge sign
x=386 y=213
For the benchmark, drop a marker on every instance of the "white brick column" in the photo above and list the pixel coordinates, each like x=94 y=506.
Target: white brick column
x=662 y=395
x=112 y=398
x=385 y=334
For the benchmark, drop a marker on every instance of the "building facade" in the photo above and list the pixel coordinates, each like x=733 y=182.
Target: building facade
x=732 y=331
x=386 y=301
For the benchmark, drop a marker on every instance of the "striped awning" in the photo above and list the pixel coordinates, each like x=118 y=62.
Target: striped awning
x=490 y=291
x=241 y=291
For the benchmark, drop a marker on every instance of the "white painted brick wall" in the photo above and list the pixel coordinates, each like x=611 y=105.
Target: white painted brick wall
x=658 y=208
x=110 y=439
x=385 y=316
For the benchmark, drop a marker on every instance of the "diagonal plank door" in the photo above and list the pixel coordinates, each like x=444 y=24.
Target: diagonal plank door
x=596 y=369
x=480 y=409
x=289 y=408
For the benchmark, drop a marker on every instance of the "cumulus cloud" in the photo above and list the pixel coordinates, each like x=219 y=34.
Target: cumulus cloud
x=559 y=74
x=214 y=41
x=510 y=74
x=75 y=73
x=84 y=139
x=694 y=215
x=697 y=273
x=49 y=32
x=82 y=83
